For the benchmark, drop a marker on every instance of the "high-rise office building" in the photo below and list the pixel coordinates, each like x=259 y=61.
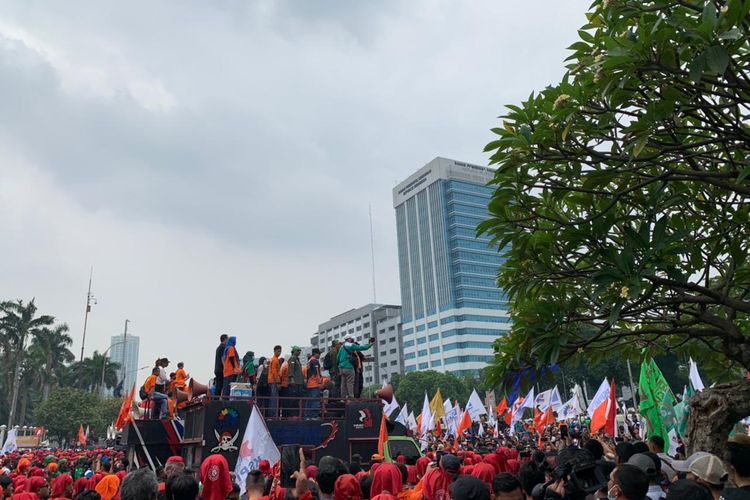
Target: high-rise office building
x=124 y=351
x=452 y=309
x=362 y=324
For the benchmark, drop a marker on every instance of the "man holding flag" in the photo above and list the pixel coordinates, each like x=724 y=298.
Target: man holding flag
x=257 y=444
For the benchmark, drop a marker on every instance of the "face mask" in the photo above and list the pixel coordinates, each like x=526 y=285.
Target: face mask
x=610 y=496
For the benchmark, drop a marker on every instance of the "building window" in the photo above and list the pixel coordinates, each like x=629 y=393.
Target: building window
x=437 y=362
x=394 y=362
x=382 y=342
x=366 y=324
x=423 y=366
x=423 y=352
x=432 y=324
x=434 y=350
x=382 y=330
x=383 y=365
x=420 y=328
x=393 y=351
x=383 y=353
x=392 y=339
x=409 y=343
x=421 y=340
x=359 y=328
x=410 y=355
x=391 y=328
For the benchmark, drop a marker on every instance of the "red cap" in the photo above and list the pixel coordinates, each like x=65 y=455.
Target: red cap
x=175 y=458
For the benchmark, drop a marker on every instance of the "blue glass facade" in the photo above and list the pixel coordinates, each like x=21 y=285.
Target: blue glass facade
x=452 y=308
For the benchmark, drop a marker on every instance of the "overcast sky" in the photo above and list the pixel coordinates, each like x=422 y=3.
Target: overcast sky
x=214 y=161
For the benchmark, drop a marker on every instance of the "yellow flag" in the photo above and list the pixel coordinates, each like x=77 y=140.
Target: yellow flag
x=436 y=406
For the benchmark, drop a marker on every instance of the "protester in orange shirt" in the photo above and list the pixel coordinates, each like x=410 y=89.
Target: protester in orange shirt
x=150 y=384
x=231 y=365
x=181 y=376
x=274 y=379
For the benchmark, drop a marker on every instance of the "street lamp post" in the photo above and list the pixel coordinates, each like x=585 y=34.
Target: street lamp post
x=104 y=362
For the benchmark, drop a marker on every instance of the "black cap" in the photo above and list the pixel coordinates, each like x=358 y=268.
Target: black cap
x=450 y=464
x=469 y=488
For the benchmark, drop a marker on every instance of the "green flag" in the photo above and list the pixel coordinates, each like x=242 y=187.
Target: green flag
x=682 y=410
x=657 y=404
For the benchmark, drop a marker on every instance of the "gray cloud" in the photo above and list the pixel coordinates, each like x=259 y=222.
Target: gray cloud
x=216 y=162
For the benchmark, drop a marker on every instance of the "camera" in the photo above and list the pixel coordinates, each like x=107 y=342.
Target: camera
x=578 y=469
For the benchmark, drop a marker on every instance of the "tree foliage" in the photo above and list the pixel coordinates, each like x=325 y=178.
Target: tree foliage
x=411 y=388
x=622 y=198
x=68 y=408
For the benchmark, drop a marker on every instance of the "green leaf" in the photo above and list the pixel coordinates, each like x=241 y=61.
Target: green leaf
x=697 y=67
x=717 y=59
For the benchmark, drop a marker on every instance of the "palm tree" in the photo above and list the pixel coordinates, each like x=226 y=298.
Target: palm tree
x=88 y=373
x=18 y=323
x=52 y=345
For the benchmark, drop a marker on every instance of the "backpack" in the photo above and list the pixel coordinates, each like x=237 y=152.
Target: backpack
x=328 y=361
x=142 y=393
x=353 y=358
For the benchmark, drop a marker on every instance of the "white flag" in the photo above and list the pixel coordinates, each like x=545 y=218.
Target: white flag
x=480 y=432
x=601 y=396
x=427 y=420
x=257 y=445
x=528 y=402
x=475 y=406
x=403 y=416
x=695 y=377
x=542 y=401
x=555 y=401
x=389 y=408
x=447 y=405
x=10 y=443
x=579 y=392
x=412 y=421
x=452 y=418
x=571 y=409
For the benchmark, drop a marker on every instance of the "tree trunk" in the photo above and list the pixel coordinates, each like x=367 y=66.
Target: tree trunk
x=47 y=378
x=16 y=386
x=22 y=412
x=713 y=414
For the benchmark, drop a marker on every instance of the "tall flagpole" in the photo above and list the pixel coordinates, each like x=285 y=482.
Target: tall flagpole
x=89 y=297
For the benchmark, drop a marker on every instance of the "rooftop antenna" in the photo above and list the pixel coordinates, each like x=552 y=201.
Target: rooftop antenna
x=89 y=299
x=372 y=255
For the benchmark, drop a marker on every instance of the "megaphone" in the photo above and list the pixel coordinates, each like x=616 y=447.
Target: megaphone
x=196 y=389
x=180 y=396
x=386 y=393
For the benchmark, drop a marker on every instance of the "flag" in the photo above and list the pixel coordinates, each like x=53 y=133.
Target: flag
x=447 y=405
x=465 y=423
x=542 y=400
x=383 y=436
x=538 y=419
x=571 y=409
x=475 y=407
x=682 y=410
x=601 y=396
x=81 y=436
x=501 y=407
x=425 y=424
x=437 y=409
x=10 y=443
x=257 y=444
x=389 y=408
x=452 y=419
x=581 y=399
x=555 y=401
x=403 y=416
x=480 y=432
x=521 y=404
x=657 y=402
x=124 y=416
x=603 y=416
x=695 y=377
x=412 y=422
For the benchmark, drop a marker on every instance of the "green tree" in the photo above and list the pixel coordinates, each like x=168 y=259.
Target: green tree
x=18 y=323
x=88 y=373
x=67 y=408
x=53 y=347
x=622 y=199
x=412 y=387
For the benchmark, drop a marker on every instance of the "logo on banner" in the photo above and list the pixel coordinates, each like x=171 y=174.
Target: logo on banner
x=226 y=430
x=364 y=421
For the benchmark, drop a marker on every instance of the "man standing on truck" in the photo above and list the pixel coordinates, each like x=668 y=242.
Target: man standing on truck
x=296 y=379
x=314 y=382
x=274 y=379
x=348 y=360
x=219 y=364
x=331 y=364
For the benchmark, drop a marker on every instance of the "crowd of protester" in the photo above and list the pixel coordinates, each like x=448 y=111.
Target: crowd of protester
x=509 y=467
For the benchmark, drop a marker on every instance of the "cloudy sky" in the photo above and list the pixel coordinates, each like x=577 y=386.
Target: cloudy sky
x=214 y=161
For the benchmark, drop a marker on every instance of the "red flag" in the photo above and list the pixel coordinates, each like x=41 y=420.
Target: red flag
x=124 y=416
x=502 y=407
x=538 y=419
x=465 y=423
x=609 y=427
x=549 y=416
x=81 y=436
x=383 y=437
x=604 y=414
x=438 y=429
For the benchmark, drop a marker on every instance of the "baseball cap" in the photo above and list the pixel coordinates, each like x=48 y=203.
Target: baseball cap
x=644 y=462
x=710 y=469
x=469 y=488
x=295 y=348
x=450 y=464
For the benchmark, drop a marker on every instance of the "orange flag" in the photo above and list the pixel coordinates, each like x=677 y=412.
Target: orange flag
x=124 y=416
x=438 y=429
x=502 y=407
x=549 y=417
x=81 y=436
x=538 y=419
x=465 y=423
x=383 y=437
